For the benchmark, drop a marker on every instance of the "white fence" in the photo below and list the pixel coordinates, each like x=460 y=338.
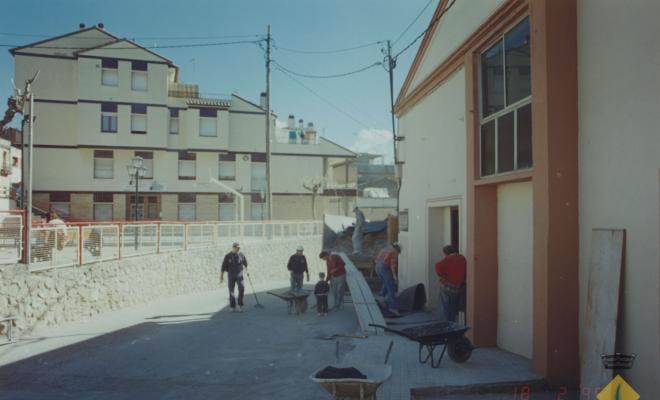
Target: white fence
x=11 y=237
x=56 y=247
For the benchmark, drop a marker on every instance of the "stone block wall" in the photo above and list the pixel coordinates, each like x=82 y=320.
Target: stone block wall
x=56 y=296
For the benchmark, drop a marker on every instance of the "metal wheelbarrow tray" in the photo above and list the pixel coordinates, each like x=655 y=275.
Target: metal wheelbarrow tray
x=351 y=388
x=449 y=335
x=294 y=300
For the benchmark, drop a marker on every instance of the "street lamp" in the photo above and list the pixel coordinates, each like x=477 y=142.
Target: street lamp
x=136 y=171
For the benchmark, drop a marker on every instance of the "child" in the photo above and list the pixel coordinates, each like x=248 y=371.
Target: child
x=321 y=291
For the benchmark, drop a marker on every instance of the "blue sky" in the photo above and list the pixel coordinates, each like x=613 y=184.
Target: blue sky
x=295 y=24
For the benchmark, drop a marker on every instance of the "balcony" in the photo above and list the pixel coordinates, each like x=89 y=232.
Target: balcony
x=183 y=90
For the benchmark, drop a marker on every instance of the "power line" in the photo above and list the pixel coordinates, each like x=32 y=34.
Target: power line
x=433 y=22
x=328 y=76
x=412 y=23
x=328 y=51
x=167 y=46
x=328 y=102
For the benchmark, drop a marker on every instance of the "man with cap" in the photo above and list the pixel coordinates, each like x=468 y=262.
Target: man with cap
x=386 y=269
x=234 y=263
x=357 y=232
x=297 y=266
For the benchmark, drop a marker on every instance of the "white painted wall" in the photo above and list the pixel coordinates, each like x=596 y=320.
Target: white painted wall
x=619 y=82
x=452 y=30
x=515 y=267
x=435 y=165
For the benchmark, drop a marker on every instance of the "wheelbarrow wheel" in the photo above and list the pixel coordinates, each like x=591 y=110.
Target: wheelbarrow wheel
x=460 y=350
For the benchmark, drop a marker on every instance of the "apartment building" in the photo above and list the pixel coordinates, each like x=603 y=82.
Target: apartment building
x=528 y=124
x=102 y=101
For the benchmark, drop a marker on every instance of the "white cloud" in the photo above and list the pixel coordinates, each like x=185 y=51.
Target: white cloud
x=374 y=141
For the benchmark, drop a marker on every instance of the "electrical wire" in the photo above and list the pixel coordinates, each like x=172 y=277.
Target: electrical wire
x=328 y=102
x=362 y=46
x=412 y=23
x=357 y=71
x=433 y=22
x=168 y=46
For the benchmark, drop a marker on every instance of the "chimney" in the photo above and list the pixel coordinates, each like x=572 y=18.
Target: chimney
x=292 y=122
x=100 y=25
x=262 y=100
x=301 y=125
x=310 y=133
x=81 y=26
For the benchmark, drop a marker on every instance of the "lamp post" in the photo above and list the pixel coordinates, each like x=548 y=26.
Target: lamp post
x=136 y=171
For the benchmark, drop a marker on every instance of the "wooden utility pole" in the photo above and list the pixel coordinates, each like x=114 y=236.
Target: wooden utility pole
x=269 y=202
x=391 y=64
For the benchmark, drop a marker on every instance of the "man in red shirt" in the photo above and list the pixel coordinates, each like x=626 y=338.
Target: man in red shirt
x=451 y=275
x=336 y=276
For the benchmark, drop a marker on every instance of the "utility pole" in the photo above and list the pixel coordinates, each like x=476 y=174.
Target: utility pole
x=28 y=214
x=391 y=64
x=269 y=203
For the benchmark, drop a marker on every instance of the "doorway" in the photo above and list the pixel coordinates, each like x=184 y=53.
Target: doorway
x=443 y=230
x=148 y=208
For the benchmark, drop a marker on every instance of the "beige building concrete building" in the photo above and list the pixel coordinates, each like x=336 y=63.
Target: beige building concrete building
x=527 y=124
x=102 y=100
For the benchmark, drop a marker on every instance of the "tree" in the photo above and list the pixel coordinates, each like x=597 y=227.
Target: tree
x=313 y=184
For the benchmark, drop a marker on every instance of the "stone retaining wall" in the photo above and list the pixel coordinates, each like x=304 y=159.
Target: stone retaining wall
x=56 y=296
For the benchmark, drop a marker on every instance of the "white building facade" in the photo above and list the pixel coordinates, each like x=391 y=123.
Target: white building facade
x=102 y=100
x=527 y=124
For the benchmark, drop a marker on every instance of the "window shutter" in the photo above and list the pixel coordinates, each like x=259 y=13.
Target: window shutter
x=103 y=168
x=207 y=127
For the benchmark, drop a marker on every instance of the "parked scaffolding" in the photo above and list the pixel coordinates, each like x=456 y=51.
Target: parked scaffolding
x=85 y=243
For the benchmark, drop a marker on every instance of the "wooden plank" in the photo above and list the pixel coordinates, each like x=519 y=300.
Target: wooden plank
x=365 y=305
x=602 y=312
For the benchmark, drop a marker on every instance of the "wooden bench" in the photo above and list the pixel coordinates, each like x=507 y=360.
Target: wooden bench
x=8 y=322
x=366 y=308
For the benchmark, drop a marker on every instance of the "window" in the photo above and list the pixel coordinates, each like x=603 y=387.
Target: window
x=139 y=76
x=208 y=122
x=403 y=220
x=148 y=163
x=186 y=206
x=102 y=206
x=258 y=178
x=103 y=164
x=60 y=202
x=187 y=169
x=109 y=117
x=226 y=207
x=174 y=121
x=109 y=74
x=258 y=207
x=227 y=167
x=139 y=118
x=506 y=118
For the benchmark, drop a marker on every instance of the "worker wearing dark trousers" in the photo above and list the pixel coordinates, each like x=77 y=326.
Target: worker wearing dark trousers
x=297 y=266
x=234 y=263
x=451 y=271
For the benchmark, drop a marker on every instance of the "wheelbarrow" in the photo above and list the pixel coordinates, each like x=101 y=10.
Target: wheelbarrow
x=449 y=335
x=295 y=300
x=351 y=388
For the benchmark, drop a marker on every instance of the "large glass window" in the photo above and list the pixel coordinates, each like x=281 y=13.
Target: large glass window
x=208 y=122
x=227 y=167
x=257 y=207
x=258 y=176
x=174 y=121
x=60 y=202
x=187 y=169
x=187 y=208
x=506 y=123
x=109 y=74
x=226 y=207
x=139 y=118
x=103 y=164
x=109 y=117
x=148 y=163
x=139 y=76
x=102 y=208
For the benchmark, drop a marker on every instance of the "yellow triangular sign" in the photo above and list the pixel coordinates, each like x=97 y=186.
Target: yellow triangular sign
x=618 y=389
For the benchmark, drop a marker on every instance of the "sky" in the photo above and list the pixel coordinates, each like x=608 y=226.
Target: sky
x=353 y=111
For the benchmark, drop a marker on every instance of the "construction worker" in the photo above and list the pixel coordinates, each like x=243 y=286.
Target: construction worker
x=386 y=269
x=336 y=276
x=451 y=271
x=358 y=231
x=234 y=263
x=297 y=266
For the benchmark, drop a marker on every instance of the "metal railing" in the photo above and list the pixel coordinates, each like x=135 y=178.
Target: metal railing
x=11 y=236
x=84 y=243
